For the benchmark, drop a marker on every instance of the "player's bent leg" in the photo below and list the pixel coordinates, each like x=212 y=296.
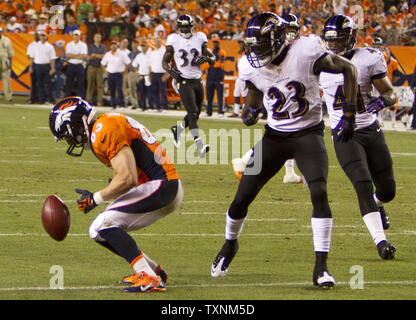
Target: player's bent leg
x=156 y=199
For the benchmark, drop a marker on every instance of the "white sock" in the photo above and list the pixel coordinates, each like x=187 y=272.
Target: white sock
x=290 y=167
x=321 y=229
x=233 y=227
x=150 y=262
x=374 y=225
x=236 y=108
x=247 y=156
x=378 y=202
x=140 y=264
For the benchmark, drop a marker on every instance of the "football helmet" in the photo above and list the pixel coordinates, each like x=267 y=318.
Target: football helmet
x=69 y=120
x=265 y=38
x=293 y=27
x=340 y=34
x=377 y=42
x=185 y=26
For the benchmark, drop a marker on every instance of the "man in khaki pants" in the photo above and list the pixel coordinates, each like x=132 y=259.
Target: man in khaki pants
x=6 y=55
x=95 y=79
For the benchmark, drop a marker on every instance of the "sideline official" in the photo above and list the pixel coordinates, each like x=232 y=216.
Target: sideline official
x=43 y=61
x=114 y=64
x=76 y=52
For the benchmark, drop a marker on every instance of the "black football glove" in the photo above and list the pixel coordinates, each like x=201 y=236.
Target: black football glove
x=86 y=203
x=250 y=116
x=345 y=128
x=378 y=103
x=202 y=59
x=175 y=73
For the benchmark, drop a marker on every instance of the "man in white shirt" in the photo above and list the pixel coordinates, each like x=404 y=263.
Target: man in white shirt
x=14 y=27
x=114 y=64
x=43 y=23
x=158 y=92
x=76 y=53
x=33 y=98
x=141 y=65
x=168 y=12
x=43 y=60
x=142 y=17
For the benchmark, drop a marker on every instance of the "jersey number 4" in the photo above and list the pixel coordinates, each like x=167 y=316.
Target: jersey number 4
x=340 y=101
x=299 y=97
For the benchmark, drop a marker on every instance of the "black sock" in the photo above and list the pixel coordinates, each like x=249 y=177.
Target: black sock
x=320 y=259
x=121 y=243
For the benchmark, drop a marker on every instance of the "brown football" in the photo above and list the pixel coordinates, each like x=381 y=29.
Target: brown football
x=56 y=218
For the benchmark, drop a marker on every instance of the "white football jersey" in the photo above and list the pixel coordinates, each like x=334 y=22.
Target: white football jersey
x=370 y=65
x=291 y=89
x=185 y=53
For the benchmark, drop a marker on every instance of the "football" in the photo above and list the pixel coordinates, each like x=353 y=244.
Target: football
x=56 y=218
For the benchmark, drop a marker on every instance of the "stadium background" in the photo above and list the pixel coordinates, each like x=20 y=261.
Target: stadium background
x=20 y=77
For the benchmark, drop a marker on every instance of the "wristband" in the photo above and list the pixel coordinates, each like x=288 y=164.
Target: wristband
x=98 y=199
x=349 y=107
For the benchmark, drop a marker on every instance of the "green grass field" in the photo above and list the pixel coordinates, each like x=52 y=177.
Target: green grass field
x=276 y=256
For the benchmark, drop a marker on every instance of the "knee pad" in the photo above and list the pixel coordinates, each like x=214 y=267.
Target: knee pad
x=387 y=192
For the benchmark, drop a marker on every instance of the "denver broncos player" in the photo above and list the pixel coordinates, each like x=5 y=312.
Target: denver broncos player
x=365 y=158
x=284 y=77
x=144 y=188
x=189 y=50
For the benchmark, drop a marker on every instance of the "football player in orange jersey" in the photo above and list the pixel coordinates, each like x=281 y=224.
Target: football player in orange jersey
x=144 y=188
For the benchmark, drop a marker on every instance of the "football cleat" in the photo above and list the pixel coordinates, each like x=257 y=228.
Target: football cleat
x=223 y=259
x=292 y=178
x=386 y=250
x=203 y=151
x=238 y=166
x=146 y=283
x=385 y=220
x=132 y=279
x=322 y=278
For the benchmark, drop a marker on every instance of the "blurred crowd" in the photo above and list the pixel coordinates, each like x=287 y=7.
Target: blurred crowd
x=392 y=20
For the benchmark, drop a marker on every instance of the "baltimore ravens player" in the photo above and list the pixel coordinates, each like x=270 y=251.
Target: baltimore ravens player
x=239 y=164
x=284 y=77
x=144 y=188
x=365 y=158
x=189 y=50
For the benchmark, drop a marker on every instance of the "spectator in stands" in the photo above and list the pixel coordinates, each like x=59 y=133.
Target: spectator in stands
x=119 y=10
x=95 y=79
x=14 y=27
x=159 y=29
x=76 y=53
x=143 y=17
x=44 y=63
x=43 y=23
x=169 y=12
x=141 y=65
x=31 y=27
x=215 y=33
x=228 y=33
x=6 y=55
x=114 y=64
x=215 y=80
x=392 y=35
x=132 y=76
x=158 y=93
x=83 y=9
x=70 y=24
